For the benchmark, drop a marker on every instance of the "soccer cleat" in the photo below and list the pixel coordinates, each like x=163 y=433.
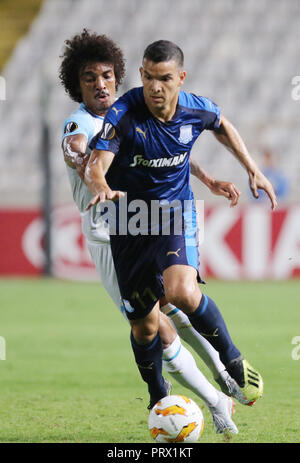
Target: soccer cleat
x=168 y=386
x=248 y=379
x=221 y=415
x=230 y=387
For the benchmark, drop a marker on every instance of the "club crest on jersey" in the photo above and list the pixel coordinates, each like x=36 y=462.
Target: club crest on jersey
x=108 y=132
x=70 y=127
x=186 y=134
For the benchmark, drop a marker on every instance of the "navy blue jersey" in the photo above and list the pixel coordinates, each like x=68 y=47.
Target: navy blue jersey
x=152 y=157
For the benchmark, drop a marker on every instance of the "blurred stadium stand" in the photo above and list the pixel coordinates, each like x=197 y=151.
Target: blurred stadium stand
x=16 y=18
x=243 y=55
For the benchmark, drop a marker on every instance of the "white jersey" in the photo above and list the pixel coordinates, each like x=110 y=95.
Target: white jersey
x=86 y=123
x=94 y=228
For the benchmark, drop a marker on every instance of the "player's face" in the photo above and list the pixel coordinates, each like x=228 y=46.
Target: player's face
x=161 y=84
x=98 y=86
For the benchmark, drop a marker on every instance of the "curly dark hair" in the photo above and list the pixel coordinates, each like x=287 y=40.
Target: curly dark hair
x=85 y=48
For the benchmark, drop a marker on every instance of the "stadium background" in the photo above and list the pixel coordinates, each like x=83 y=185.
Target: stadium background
x=243 y=55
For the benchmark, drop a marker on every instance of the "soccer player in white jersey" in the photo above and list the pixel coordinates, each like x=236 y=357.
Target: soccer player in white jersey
x=91 y=70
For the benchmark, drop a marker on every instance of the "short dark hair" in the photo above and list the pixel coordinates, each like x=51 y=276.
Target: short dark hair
x=85 y=48
x=164 y=50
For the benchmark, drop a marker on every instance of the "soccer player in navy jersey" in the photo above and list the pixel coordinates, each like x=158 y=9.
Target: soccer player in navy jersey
x=91 y=70
x=143 y=150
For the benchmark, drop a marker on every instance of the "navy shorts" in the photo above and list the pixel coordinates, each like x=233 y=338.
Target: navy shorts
x=140 y=261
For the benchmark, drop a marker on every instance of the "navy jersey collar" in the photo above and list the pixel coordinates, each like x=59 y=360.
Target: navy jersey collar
x=174 y=117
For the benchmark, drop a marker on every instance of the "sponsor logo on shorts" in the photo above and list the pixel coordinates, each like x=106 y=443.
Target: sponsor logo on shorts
x=169 y=253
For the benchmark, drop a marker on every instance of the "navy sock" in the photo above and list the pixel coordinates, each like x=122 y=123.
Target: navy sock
x=149 y=361
x=208 y=321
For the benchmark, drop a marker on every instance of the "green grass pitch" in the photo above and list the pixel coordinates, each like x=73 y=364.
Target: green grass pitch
x=69 y=373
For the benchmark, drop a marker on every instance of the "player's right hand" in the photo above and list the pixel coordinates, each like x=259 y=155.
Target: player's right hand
x=258 y=181
x=103 y=195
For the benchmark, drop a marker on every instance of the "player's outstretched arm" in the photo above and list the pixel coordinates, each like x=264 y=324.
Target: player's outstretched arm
x=217 y=187
x=74 y=147
x=95 y=172
x=229 y=137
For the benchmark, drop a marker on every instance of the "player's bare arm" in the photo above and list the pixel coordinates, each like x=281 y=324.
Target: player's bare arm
x=217 y=187
x=74 y=147
x=94 y=177
x=229 y=137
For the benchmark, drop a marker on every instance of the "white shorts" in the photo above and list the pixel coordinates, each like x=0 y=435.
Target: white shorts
x=102 y=257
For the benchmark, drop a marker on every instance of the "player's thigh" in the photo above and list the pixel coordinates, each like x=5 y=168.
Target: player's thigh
x=140 y=281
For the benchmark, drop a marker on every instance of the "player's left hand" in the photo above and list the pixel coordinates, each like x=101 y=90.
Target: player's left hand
x=227 y=189
x=257 y=180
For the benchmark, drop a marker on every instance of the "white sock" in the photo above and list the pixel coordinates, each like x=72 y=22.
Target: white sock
x=180 y=364
x=185 y=330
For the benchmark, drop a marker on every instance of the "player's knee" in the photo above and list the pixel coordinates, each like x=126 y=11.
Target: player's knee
x=144 y=334
x=183 y=295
